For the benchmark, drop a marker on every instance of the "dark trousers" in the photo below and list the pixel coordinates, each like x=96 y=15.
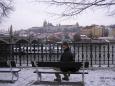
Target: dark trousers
x=66 y=74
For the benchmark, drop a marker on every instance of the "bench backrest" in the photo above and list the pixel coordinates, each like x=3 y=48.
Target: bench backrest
x=3 y=64
x=59 y=64
x=6 y=64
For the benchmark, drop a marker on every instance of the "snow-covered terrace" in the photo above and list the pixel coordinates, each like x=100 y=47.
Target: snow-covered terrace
x=95 y=77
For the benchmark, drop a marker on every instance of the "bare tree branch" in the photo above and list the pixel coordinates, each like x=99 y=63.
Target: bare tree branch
x=81 y=3
x=5 y=8
x=75 y=7
x=83 y=8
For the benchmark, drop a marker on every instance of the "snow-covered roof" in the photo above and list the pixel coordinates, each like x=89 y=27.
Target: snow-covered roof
x=106 y=38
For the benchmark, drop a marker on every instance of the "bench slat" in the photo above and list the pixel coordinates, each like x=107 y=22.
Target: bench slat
x=9 y=70
x=51 y=71
x=60 y=72
x=58 y=83
x=57 y=64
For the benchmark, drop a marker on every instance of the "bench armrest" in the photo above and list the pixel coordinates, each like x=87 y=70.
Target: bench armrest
x=11 y=63
x=33 y=63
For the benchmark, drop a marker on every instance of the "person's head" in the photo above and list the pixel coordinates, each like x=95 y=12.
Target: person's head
x=65 y=45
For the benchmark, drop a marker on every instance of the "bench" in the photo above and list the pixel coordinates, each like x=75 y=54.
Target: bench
x=52 y=65
x=9 y=67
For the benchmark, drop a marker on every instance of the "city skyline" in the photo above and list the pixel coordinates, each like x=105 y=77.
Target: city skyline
x=28 y=14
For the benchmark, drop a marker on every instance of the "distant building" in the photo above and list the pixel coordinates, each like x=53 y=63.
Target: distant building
x=23 y=33
x=112 y=30
x=93 y=31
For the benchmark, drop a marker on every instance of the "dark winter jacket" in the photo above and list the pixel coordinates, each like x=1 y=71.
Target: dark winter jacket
x=67 y=56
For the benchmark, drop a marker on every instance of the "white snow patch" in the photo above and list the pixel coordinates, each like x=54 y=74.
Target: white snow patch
x=105 y=77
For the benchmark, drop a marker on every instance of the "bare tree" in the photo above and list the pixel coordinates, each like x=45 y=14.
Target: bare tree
x=76 y=37
x=75 y=7
x=5 y=8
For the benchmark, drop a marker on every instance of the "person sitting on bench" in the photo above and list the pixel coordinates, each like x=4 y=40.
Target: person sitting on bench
x=66 y=56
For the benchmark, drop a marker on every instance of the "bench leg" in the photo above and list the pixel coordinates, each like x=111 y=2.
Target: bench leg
x=12 y=76
x=39 y=76
x=83 y=79
x=15 y=74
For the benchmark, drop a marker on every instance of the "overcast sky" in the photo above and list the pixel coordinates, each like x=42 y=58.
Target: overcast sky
x=28 y=14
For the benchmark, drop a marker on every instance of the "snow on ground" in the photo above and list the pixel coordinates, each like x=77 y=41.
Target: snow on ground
x=98 y=77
